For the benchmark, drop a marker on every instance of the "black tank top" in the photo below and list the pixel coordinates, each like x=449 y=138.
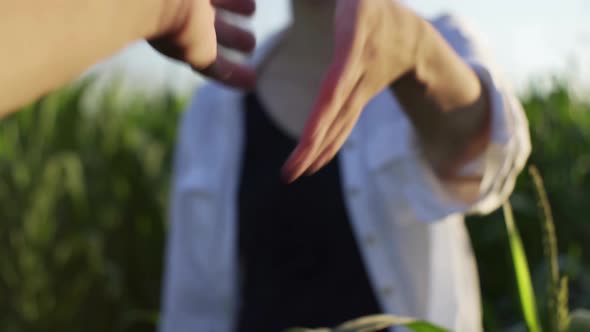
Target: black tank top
x=299 y=260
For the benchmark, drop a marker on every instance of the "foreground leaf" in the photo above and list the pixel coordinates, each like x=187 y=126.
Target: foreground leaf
x=377 y=323
x=523 y=275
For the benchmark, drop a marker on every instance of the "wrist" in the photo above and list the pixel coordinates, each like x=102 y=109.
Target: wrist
x=446 y=102
x=446 y=78
x=458 y=137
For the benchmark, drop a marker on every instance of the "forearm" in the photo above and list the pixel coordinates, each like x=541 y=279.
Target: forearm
x=46 y=43
x=447 y=105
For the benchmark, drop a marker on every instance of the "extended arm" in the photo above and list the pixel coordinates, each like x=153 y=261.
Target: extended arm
x=469 y=125
x=47 y=43
x=486 y=146
x=447 y=104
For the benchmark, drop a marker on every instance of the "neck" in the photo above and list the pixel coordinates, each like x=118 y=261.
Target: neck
x=312 y=22
x=291 y=78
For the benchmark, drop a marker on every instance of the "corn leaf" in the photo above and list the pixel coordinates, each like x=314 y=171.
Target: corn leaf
x=523 y=275
x=377 y=323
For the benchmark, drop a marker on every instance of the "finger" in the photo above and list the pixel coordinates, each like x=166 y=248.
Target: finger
x=340 y=80
x=193 y=42
x=178 y=49
x=312 y=139
x=332 y=150
x=311 y=148
x=302 y=159
x=233 y=37
x=341 y=127
x=295 y=165
x=230 y=73
x=337 y=86
x=242 y=7
x=350 y=112
x=341 y=132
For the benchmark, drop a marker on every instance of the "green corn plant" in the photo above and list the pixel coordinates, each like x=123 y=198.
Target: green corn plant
x=579 y=321
x=377 y=323
x=523 y=276
x=559 y=317
x=83 y=193
x=557 y=286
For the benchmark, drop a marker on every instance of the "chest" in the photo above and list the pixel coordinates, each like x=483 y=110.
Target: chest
x=381 y=139
x=288 y=92
x=308 y=208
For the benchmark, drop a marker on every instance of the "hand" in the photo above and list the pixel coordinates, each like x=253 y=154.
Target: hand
x=193 y=30
x=375 y=43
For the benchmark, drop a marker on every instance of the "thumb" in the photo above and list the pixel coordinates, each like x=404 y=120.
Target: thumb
x=193 y=39
x=198 y=36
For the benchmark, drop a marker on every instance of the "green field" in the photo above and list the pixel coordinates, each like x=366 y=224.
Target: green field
x=83 y=196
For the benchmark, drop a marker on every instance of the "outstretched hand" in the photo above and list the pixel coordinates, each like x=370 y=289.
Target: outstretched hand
x=193 y=32
x=375 y=43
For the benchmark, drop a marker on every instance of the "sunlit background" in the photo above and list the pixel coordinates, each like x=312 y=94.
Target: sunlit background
x=530 y=39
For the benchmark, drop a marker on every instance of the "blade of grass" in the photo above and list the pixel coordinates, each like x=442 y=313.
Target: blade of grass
x=523 y=275
x=557 y=286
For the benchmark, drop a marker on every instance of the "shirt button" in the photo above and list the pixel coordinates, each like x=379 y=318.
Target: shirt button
x=352 y=191
x=370 y=240
x=387 y=291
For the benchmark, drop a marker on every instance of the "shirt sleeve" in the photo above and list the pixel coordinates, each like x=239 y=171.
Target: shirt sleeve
x=504 y=158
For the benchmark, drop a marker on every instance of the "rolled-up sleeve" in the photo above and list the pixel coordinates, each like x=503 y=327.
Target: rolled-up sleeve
x=504 y=158
x=509 y=146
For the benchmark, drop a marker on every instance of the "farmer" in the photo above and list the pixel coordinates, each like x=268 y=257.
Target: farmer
x=47 y=43
x=392 y=127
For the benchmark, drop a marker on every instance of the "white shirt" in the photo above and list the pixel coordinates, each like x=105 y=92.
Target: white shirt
x=410 y=230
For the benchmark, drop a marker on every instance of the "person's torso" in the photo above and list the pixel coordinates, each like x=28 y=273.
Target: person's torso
x=419 y=268
x=299 y=259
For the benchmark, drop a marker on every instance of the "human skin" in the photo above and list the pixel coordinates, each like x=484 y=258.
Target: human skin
x=379 y=44
x=47 y=43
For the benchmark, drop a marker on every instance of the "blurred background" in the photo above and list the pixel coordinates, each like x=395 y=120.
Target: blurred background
x=84 y=175
x=528 y=38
